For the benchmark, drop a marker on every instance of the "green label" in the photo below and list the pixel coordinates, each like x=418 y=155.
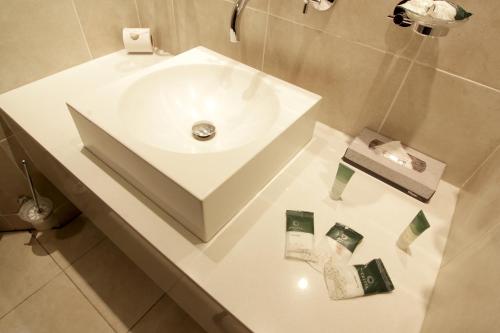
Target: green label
x=419 y=223
x=462 y=14
x=374 y=277
x=300 y=221
x=344 y=173
x=345 y=236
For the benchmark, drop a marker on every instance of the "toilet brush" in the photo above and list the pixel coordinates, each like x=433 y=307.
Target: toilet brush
x=36 y=210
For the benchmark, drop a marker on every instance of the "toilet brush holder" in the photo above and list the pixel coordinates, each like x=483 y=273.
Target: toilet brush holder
x=36 y=210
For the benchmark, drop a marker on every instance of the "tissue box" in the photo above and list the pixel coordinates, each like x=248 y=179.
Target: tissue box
x=419 y=178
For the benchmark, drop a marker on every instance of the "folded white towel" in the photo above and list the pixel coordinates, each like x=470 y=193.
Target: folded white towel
x=443 y=10
x=419 y=7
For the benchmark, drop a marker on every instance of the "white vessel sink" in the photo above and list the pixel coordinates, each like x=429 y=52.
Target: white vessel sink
x=142 y=127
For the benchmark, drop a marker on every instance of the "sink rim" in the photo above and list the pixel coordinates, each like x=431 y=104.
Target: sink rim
x=100 y=107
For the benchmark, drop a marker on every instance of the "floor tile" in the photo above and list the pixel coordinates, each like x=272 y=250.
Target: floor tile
x=56 y=308
x=69 y=243
x=24 y=268
x=115 y=285
x=166 y=316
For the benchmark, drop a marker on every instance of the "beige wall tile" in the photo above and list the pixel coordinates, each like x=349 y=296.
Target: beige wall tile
x=103 y=21
x=478 y=209
x=25 y=267
x=38 y=38
x=15 y=223
x=357 y=83
x=206 y=22
x=166 y=316
x=57 y=307
x=5 y=131
x=466 y=296
x=159 y=16
x=450 y=119
x=12 y=182
x=116 y=287
x=362 y=21
x=471 y=50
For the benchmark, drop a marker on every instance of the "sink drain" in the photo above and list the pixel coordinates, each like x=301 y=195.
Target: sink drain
x=203 y=130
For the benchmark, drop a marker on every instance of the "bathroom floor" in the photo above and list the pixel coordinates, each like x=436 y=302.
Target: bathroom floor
x=75 y=280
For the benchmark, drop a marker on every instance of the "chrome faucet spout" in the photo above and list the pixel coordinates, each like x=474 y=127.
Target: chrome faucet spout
x=234 y=31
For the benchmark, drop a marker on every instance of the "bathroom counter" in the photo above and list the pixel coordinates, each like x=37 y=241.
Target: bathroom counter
x=243 y=266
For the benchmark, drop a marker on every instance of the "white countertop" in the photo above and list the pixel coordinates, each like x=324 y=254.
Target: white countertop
x=243 y=267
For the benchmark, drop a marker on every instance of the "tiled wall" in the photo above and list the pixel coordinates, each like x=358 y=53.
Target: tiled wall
x=440 y=96
x=39 y=38
x=466 y=296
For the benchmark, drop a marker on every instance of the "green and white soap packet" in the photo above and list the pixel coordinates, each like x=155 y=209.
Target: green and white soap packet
x=300 y=235
x=338 y=244
x=349 y=281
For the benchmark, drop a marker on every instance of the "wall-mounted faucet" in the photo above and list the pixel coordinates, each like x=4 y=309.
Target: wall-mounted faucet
x=239 y=6
x=320 y=5
x=234 y=31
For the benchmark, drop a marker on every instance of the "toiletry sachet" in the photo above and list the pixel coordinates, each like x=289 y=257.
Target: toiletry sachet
x=300 y=235
x=338 y=244
x=349 y=281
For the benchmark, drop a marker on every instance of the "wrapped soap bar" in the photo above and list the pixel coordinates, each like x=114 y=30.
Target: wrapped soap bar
x=339 y=244
x=300 y=235
x=352 y=281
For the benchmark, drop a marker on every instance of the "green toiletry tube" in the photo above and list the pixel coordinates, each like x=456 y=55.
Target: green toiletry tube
x=344 y=174
x=413 y=230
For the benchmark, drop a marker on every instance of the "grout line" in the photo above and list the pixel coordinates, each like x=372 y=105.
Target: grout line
x=38 y=289
x=86 y=252
x=63 y=270
x=88 y=300
x=328 y=33
x=482 y=85
x=177 y=40
x=147 y=311
x=401 y=56
x=480 y=166
x=77 y=258
x=81 y=29
x=265 y=36
x=400 y=88
x=33 y=293
x=394 y=99
x=137 y=13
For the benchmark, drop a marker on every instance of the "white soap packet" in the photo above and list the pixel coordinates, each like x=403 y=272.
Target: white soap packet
x=349 y=281
x=338 y=244
x=300 y=235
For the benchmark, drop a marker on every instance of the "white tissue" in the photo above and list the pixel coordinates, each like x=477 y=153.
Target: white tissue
x=443 y=10
x=137 y=40
x=394 y=151
x=419 y=7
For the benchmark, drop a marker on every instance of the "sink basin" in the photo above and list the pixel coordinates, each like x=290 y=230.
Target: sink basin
x=161 y=108
x=199 y=134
